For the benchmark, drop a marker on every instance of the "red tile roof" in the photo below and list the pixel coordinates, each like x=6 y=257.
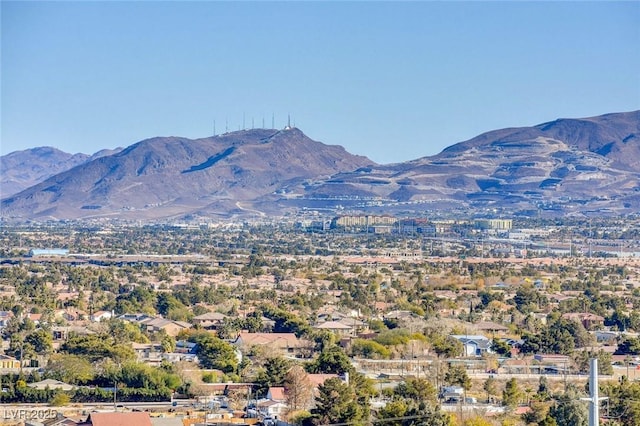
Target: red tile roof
x=119 y=419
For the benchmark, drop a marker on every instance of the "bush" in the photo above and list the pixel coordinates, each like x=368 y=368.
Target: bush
x=60 y=399
x=370 y=349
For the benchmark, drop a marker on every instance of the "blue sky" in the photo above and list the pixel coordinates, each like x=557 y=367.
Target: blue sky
x=390 y=80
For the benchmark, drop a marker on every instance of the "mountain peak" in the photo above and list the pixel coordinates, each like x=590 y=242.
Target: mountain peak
x=164 y=176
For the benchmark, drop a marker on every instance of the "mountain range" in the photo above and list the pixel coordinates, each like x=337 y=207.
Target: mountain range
x=588 y=166
x=21 y=169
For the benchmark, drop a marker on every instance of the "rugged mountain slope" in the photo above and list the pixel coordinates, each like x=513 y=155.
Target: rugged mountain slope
x=172 y=176
x=21 y=169
x=566 y=165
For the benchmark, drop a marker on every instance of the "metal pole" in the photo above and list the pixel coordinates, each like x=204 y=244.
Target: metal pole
x=594 y=404
x=594 y=399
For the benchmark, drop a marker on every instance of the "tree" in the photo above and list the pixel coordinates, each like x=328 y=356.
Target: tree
x=60 y=400
x=369 y=349
x=215 y=353
x=425 y=414
x=332 y=360
x=569 y=411
x=41 y=341
x=447 y=347
x=394 y=409
x=511 y=394
x=629 y=346
x=298 y=388
x=491 y=387
x=501 y=347
x=71 y=369
x=457 y=376
x=274 y=373
x=168 y=344
x=538 y=413
x=125 y=331
x=336 y=403
x=95 y=347
x=417 y=389
x=582 y=360
x=528 y=299
x=624 y=401
x=477 y=421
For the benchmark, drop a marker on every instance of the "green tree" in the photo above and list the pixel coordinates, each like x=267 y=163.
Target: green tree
x=40 y=340
x=125 y=331
x=332 y=360
x=629 y=346
x=71 y=369
x=168 y=343
x=426 y=414
x=369 y=349
x=528 y=299
x=501 y=347
x=490 y=386
x=624 y=401
x=336 y=402
x=215 y=353
x=446 y=346
x=457 y=375
x=96 y=347
x=417 y=390
x=60 y=400
x=273 y=373
x=582 y=361
x=511 y=395
x=568 y=410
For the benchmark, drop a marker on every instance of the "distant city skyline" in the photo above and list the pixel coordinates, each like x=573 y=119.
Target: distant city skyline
x=393 y=81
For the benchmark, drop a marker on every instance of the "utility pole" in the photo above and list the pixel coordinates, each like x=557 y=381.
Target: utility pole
x=594 y=399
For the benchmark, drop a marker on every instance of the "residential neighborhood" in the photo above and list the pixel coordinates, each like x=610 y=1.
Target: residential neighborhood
x=250 y=335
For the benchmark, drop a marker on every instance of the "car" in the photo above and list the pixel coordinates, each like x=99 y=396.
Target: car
x=268 y=421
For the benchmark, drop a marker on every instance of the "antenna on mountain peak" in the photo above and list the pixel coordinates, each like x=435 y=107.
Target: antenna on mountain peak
x=288 y=122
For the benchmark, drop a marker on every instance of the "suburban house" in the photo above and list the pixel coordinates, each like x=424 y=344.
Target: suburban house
x=186 y=347
x=276 y=393
x=275 y=409
x=101 y=316
x=150 y=353
x=550 y=364
x=9 y=362
x=336 y=327
x=587 y=319
x=172 y=328
x=286 y=343
x=474 y=345
x=452 y=394
x=210 y=320
x=491 y=327
x=5 y=317
x=61 y=333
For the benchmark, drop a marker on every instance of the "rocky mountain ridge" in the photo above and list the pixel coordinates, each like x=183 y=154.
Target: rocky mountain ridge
x=585 y=166
x=21 y=169
x=171 y=176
